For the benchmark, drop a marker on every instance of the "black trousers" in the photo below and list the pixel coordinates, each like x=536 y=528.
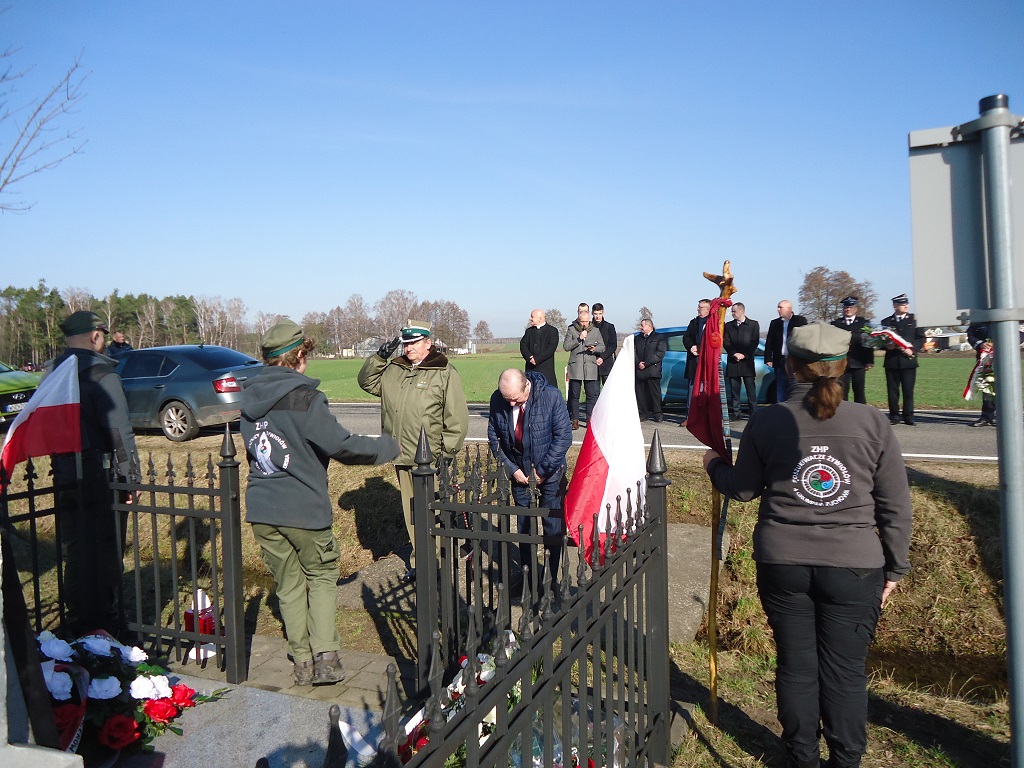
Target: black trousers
x=93 y=544
x=854 y=376
x=734 y=393
x=897 y=379
x=988 y=406
x=648 y=398
x=552 y=494
x=823 y=620
x=592 y=389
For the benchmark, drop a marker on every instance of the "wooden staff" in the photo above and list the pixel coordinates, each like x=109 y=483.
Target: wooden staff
x=727 y=289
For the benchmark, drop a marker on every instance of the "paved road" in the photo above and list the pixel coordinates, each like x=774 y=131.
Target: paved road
x=939 y=435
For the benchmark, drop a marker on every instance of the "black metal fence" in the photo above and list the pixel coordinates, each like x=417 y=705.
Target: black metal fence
x=575 y=669
x=183 y=536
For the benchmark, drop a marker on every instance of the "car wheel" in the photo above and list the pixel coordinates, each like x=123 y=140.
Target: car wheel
x=177 y=422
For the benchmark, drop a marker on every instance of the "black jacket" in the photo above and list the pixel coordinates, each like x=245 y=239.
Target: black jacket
x=692 y=338
x=541 y=343
x=649 y=350
x=860 y=356
x=611 y=344
x=907 y=329
x=743 y=339
x=773 y=341
x=103 y=410
x=977 y=334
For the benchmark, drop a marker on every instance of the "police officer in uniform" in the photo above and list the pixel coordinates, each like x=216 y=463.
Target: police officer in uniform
x=861 y=358
x=901 y=364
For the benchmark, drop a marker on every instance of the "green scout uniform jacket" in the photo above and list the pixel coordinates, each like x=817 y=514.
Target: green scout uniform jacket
x=426 y=395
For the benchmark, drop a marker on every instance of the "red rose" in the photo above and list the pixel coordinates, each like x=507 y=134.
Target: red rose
x=182 y=695
x=119 y=731
x=160 y=710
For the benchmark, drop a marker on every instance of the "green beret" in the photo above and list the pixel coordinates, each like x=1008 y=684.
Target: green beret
x=282 y=337
x=82 y=321
x=819 y=342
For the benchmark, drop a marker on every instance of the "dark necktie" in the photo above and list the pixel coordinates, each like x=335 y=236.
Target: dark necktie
x=519 y=427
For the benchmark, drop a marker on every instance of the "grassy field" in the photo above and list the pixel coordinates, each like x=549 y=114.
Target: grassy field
x=938 y=691
x=940 y=379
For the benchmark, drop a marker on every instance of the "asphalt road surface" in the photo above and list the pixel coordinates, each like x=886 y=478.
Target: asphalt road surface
x=938 y=436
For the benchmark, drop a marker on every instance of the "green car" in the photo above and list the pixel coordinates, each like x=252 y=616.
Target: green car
x=16 y=387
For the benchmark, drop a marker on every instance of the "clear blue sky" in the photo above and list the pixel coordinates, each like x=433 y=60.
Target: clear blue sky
x=504 y=156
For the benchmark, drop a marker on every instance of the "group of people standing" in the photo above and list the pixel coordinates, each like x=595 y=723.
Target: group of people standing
x=591 y=342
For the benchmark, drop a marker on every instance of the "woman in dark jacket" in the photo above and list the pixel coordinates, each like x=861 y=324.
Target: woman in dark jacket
x=290 y=437
x=831 y=542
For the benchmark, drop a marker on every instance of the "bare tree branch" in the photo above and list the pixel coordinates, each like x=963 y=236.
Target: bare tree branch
x=38 y=142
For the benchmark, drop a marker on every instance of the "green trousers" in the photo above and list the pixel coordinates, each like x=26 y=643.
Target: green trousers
x=305 y=566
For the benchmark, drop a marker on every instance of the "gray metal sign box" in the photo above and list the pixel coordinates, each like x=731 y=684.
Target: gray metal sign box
x=947 y=205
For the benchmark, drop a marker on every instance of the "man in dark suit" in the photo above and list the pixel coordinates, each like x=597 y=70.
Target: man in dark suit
x=776 y=345
x=740 y=342
x=978 y=337
x=611 y=342
x=649 y=349
x=691 y=340
x=538 y=346
x=861 y=358
x=901 y=364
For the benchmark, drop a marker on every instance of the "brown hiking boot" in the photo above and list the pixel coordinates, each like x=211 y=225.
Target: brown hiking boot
x=327 y=668
x=304 y=672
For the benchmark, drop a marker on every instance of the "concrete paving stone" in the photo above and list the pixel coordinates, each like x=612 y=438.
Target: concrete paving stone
x=247 y=724
x=369 y=682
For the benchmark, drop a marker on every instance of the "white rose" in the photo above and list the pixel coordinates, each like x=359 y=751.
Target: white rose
x=162 y=686
x=104 y=688
x=133 y=655
x=55 y=649
x=97 y=646
x=155 y=687
x=142 y=688
x=59 y=685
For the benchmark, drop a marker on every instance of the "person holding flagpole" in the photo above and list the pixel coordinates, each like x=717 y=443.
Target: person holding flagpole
x=831 y=542
x=93 y=535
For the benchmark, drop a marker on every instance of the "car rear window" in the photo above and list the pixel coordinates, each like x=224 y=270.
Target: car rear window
x=212 y=358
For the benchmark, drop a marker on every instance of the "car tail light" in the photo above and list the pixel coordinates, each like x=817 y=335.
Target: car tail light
x=226 y=385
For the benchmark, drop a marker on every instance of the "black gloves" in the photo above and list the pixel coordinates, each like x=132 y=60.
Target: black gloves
x=387 y=349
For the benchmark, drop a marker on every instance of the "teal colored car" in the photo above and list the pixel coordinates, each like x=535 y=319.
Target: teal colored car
x=16 y=387
x=675 y=388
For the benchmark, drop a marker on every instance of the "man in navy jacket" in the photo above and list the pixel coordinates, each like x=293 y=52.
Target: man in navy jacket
x=529 y=430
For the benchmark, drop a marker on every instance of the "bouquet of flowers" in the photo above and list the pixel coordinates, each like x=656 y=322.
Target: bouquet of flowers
x=107 y=696
x=983 y=376
x=884 y=338
x=417 y=733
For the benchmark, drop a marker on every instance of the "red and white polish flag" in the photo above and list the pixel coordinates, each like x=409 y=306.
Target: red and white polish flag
x=50 y=421
x=611 y=459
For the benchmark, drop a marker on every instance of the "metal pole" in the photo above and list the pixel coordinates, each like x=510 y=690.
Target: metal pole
x=233 y=594
x=659 y=688
x=1005 y=318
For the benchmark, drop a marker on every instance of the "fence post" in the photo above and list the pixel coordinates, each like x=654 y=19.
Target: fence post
x=657 y=647
x=426 y=558
x=231 y=532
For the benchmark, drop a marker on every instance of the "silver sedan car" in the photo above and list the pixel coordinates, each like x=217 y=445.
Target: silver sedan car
x=182 y=388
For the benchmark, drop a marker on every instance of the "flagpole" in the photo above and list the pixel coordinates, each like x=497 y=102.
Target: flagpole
x=725 y=283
